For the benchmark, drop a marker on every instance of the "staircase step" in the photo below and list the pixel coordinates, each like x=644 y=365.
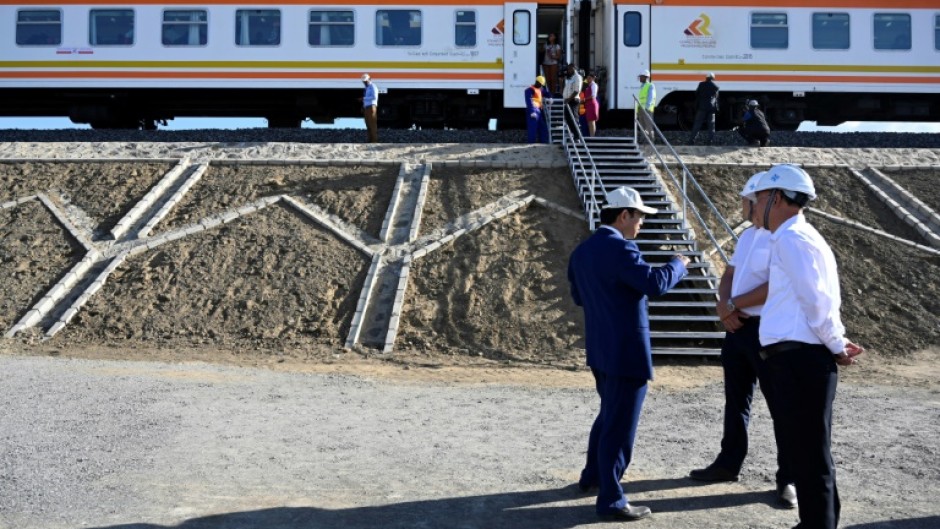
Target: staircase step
x=679 y=317
x=686 y=335
x=678 y=291
x=665 y=242
x=686 y=351
x=689 y=304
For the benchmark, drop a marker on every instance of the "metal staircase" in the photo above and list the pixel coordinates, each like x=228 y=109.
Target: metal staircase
x=684 y=320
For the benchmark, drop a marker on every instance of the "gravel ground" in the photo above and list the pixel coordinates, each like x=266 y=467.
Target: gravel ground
x=452 y=433
x=90 y=443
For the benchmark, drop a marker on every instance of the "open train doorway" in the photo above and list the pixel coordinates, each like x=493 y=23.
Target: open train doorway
x=554 y=49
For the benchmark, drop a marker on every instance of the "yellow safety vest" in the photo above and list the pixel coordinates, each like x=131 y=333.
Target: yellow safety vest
x=644 y=97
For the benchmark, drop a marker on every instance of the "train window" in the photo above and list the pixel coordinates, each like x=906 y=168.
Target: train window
x=397 y=27
x=111 y=27
x=331 y=28
x=465 y=28
x=521 y=28
x=831 y=31
x=892 y=31
x=770 y=31
x=257 y=27
x=39 y=27
x=936 y=32
x=632 y=30
x=185 y=27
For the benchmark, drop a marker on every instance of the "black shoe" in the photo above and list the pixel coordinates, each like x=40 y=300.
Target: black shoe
x=629 y=513
x=713 y=473
x=787 y=495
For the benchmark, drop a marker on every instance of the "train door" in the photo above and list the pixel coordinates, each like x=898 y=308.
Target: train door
x=520 y=45
x=631 y=52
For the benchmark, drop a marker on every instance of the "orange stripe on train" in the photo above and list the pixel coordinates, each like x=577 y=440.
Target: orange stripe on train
x=379 y=76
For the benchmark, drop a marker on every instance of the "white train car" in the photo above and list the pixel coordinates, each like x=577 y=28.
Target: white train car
x=119 y=64
x=444 y=63
x=822 y=60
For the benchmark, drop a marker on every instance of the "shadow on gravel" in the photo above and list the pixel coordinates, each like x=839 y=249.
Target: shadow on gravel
x=531 y=509
x=928 y=522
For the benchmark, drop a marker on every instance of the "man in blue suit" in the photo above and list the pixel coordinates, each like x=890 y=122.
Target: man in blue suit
x=610 y=280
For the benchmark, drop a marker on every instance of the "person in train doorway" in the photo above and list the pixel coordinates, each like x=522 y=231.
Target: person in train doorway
x=592 y=107
x=370 y=108
x=742 y=291
x=706 y=105
x=610 y=280
x=550 y=58
x=535 y=99
x=572 y=93
x=754 y=127
x=647 y=100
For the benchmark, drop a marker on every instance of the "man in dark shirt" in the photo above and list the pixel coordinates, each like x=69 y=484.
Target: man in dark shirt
x=706 y=104
x=755 y=128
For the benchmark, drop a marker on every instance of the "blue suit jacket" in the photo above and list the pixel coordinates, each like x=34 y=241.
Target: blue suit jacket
x=610 y=280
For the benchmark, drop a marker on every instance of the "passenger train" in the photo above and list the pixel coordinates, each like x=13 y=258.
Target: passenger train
x=442 y=63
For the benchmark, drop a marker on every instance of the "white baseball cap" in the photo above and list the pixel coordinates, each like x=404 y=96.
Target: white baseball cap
x=644 y=73
x=627 y=197
x=365 y=77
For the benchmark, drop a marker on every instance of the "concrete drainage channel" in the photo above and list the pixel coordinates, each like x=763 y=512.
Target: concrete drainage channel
x=375 y=323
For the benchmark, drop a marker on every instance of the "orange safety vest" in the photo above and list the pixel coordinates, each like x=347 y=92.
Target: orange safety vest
x=581 y=110
x=536 y=96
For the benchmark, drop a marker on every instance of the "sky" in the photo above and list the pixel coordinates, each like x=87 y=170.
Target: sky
x=355 y=123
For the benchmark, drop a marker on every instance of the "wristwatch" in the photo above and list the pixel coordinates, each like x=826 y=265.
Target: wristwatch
x=730 y=305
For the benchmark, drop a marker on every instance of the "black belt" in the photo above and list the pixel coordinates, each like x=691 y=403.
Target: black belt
x=773 y=350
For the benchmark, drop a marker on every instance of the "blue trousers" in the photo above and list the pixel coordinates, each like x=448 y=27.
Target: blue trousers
x=537 y=128
x=743 y=368
x=610 y=445
x=805 y=383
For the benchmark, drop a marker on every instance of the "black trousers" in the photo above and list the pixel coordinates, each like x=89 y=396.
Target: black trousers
x=703 y=118
x=743 y=368
x=805 y=380
x=760 y=136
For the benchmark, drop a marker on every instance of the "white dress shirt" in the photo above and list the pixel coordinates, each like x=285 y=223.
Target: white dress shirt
x=804 y=298
x=751 y=262
x=572 y=86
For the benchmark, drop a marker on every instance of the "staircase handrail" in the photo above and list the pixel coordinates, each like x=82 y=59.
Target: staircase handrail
x=686 y=175
x=576 y=138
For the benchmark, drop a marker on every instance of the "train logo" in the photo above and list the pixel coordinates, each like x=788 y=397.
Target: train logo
x=699 y=27
x=499 y=28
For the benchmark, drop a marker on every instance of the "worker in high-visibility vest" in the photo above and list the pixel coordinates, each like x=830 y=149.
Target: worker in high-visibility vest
x=647 y=99
x=535 y=99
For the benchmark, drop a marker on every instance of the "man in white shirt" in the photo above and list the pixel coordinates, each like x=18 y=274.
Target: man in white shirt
x=803 y=339
x=573 y=82
x=370 y=108
x=741 y=294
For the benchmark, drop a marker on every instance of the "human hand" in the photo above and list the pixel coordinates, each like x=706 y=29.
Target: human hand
x=734 y=321
x=847 y=357
x=533 y=115
x=684 y=259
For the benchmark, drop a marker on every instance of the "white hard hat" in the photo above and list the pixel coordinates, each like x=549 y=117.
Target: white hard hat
x=787 y=177
x=627 y=197
x=644 y=73
x=752 y=103
x=365 y=77
x=710 y=75
x=751 y=185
